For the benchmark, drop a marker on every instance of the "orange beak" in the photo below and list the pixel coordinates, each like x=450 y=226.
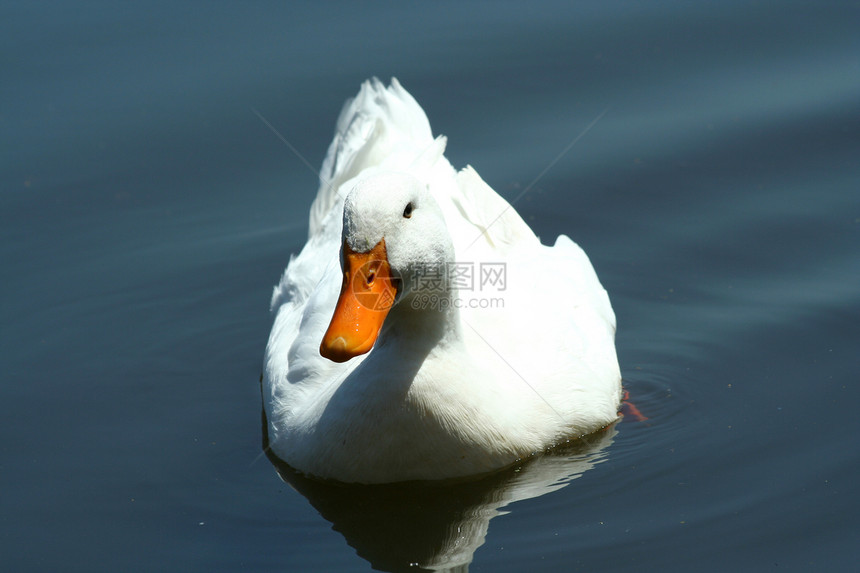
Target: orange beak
x=366 y=296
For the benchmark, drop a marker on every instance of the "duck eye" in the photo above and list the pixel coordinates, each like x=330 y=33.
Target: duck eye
x=407 y=212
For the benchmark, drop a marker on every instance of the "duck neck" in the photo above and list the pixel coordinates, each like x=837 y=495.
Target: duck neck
x=421 y=322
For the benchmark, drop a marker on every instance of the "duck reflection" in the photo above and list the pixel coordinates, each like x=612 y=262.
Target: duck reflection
x=438 y=526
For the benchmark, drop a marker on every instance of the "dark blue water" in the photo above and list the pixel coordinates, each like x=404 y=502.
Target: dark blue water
x=146 y=212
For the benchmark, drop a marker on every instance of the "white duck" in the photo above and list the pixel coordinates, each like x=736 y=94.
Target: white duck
x=495 y=347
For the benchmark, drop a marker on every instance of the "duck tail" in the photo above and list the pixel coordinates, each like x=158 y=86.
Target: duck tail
x=375 y=128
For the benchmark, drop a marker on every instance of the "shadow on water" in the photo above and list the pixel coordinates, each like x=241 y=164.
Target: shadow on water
x=437 y=526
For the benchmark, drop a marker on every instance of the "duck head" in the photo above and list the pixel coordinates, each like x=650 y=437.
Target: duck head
x=393 y=229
